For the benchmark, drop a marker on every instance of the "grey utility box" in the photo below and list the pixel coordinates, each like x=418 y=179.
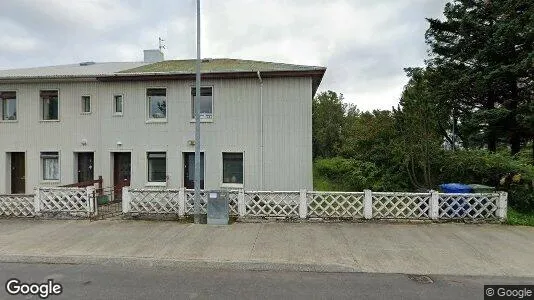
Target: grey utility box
x=218 y=208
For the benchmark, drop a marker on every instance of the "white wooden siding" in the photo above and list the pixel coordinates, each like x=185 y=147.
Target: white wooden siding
x=235 y=128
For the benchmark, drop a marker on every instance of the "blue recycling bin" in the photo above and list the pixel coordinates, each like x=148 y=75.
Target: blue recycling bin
x=458 y=188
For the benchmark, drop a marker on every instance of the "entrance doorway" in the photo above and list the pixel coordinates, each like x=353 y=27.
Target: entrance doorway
x=121 y=172
x=18 y=173
x=189 y=170
x=85 y=166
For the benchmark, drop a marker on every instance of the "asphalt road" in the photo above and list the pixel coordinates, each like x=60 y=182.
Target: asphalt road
x=122 y=282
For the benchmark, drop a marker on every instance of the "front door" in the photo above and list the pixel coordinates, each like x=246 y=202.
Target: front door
x=121 y=172
x=18 y=173
x=85 y=166
x=189 y=170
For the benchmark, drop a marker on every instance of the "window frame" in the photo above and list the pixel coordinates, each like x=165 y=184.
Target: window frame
x=229 y=184
x=42 y=169
x=156 y=183
x=202 y=119
x=149 y=119
x=41 y=108
x=114 y=105
x=16 y=107
x=83 y=104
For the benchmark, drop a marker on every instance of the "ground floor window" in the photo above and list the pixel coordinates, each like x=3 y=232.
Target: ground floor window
x=50 y=165
x=233 y=168
x=157 y=166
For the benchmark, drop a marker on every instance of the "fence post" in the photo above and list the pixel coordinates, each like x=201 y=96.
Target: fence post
x=90 y=191
x=241 y=206
x=36 y=201
x=126 y=199
x=303 y=204
x=367 y=204
x=434 y=205
x=181 y=202
x=502 y=206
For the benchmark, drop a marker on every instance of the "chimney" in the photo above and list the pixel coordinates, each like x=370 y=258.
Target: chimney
x=153 y=56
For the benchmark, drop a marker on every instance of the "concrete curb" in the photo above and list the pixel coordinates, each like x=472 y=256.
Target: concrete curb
x=174 y=263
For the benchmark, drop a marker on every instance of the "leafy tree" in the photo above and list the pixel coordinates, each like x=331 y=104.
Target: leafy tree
x=481 y=61
x=418 y=140
x=328 y=112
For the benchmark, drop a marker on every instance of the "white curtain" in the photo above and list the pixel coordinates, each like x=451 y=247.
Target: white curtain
x=51 y=168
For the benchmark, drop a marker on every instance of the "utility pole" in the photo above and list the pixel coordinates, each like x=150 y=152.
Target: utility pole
x=197 y=124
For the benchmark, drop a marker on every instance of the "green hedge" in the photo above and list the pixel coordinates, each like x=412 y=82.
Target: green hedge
x=474 y=166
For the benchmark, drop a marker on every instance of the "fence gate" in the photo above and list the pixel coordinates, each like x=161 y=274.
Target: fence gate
x=108 y=202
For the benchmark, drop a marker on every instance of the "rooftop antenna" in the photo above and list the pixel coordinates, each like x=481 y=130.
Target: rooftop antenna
x=161 y=44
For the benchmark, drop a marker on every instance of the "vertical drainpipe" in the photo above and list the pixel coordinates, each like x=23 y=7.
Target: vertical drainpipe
x=261 y=130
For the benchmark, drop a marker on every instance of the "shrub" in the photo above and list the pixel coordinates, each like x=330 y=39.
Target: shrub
x=493 y=169
x=351 y=175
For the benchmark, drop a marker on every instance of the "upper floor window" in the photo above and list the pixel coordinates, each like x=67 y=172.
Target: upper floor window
x=50 y=104
x=86 y=104
x=206 y=102
x=117 y=104
x=8 y=106
x=157 y=103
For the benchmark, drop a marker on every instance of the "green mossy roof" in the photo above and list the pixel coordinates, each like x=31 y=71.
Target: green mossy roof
x=219 y=65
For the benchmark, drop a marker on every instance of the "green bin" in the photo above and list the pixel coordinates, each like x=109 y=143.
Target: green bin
x=480 y=188
x=104 y=199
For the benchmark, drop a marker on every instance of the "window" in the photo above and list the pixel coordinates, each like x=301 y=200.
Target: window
x=157 y=166
x=233 y=168
x=8 y=105
x=86 y=104
x=50 y=105
x=206 y=102
x=50 y=165
x=117 y=104
x=157 y=103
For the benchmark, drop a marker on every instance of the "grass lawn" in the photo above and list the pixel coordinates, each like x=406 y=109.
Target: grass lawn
x=519 y=218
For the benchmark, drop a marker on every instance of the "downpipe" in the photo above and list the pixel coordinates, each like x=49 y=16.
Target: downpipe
x=261 y=129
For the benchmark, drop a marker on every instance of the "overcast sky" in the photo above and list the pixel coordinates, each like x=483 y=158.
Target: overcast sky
x=364 y=43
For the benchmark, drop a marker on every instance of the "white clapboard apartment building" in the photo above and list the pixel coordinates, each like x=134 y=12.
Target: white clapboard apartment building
x=132 y=123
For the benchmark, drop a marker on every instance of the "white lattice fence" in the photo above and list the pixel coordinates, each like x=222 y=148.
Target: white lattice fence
x=154 y=201
x=68 y=200
x=304 y=204
x=233 y=199
x=190 y=201
x=335 y=205
x=17 y=205
x=401 y=205
x=272 y=204
x=471 y=206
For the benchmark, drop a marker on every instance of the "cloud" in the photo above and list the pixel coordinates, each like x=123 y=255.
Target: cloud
x=365 y=44
x=15 y=39
x=85 y=15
